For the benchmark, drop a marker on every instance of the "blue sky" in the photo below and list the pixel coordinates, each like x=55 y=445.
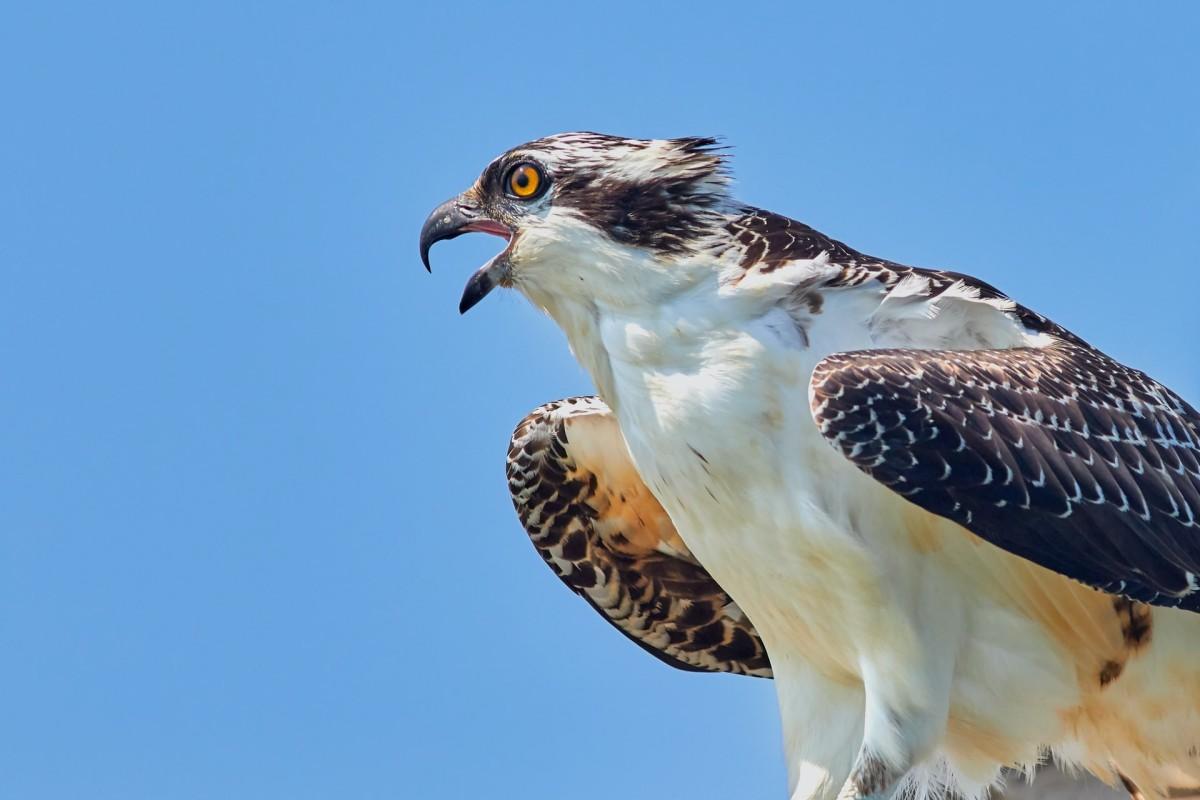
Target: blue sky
x=255 y=540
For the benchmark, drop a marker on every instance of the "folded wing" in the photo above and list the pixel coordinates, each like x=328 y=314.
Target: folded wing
x=1058 y=454
x=604 y=534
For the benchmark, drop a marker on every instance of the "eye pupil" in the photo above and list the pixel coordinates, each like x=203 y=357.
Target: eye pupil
x=524 y=181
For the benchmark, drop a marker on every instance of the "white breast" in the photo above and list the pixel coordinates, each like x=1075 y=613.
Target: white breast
x=717 y=421
x=849 y=585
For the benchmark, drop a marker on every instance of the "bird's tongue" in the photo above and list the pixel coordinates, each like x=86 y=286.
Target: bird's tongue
x=488 y=226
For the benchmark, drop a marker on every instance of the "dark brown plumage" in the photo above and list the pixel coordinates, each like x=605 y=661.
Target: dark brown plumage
x=597 y=526
x=1058 y=454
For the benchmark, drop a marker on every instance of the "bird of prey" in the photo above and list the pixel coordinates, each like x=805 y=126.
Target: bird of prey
x=965 y=537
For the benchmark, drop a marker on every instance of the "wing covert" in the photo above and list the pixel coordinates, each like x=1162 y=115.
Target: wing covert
x=604 y=534
x=1058 y=454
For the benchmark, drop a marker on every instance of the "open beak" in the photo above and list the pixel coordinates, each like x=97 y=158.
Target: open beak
x=455 y=217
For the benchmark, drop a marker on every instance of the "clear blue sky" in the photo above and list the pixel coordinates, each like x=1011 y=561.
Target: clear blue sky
x=255 y=540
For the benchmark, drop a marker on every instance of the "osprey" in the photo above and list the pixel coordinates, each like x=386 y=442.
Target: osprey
x=964 y=537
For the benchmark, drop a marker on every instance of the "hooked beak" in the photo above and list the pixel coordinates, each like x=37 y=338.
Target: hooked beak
x=453 y=218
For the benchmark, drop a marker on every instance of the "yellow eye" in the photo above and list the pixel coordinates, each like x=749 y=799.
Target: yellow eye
x=524 y=180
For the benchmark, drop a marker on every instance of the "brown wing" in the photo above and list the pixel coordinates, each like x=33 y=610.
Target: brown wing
x=1058 y=454
x=604 y=534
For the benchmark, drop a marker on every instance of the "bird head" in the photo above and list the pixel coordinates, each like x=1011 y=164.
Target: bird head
x=589 y=217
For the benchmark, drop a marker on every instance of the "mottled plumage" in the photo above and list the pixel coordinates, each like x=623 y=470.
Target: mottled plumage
x=597 y=526
x=1057 y=454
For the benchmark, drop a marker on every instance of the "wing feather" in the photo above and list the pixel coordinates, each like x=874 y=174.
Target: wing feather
x=1058 y=454
x=602 y=532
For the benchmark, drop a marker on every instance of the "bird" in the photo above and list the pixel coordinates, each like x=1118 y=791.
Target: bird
x=960 y=538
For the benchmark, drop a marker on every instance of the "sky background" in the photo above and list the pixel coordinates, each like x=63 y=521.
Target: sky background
x=255 y=540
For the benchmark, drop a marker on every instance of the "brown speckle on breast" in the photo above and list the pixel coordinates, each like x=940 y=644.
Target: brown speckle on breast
x=1137 y=621
x=1110 y=672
